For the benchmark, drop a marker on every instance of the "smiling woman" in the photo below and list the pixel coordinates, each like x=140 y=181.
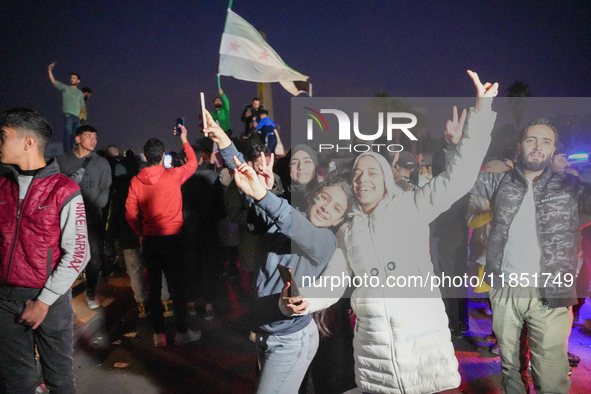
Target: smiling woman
x=286 y=347
x=396 y=348
x=329 y=202
x=369 y=182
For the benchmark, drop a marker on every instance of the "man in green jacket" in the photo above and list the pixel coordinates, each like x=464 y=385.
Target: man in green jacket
x=221 y=114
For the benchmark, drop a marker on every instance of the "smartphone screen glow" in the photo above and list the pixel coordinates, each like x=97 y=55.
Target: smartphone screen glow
x=167 y=161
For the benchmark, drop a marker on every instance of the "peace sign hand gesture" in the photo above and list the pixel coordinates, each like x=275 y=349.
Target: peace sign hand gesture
x=247 y=180
x=455 y=127
x=265 y=171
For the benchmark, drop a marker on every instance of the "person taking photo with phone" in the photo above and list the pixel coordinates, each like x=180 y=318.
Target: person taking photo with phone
x=302 y=242
x=154 y=210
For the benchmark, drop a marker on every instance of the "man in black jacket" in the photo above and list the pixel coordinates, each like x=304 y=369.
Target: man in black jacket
x=531 y=259
x=251 y=113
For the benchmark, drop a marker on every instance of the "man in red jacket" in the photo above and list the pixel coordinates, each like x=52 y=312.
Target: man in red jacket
x=154 y=210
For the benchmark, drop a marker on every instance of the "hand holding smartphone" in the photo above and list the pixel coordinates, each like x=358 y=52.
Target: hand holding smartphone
x=179 y=123
x=287 y=276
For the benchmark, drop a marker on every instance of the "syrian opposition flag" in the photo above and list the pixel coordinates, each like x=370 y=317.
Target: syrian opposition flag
x=245 y=55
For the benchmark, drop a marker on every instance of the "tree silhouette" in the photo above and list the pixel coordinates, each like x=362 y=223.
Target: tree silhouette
x=516 y=93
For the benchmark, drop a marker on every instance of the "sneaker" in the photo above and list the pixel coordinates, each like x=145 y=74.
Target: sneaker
x=160 y=340
x=464 y=328
x=456 y=333
x=41 y=389
x=189 y=336
x=142 y=314
x=573 y=359
x=208 y=315
x=208 y=312
x=490 y=338
x=92 y=302
x=191 y=309
x=168 y=312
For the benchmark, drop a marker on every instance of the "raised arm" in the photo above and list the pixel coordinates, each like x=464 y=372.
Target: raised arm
x=225 y=100
x=50 y=72
x=462 y=170
x=188 y=169
x=318 y=243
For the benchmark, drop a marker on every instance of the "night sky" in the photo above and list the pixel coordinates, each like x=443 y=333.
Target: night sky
x=147 y=61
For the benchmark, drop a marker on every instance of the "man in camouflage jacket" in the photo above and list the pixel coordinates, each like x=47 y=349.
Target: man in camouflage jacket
x=531 y=260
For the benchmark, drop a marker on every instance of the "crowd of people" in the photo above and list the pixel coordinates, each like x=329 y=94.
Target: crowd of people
x=254 y=210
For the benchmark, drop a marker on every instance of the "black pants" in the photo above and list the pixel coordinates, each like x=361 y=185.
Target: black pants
x=96 y=241
x=163 y=254
x=53 y=340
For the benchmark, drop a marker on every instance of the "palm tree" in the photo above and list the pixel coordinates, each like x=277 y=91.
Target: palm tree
x=516 y=93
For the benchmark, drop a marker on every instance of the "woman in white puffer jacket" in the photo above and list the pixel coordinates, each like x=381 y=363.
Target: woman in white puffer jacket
x=402 y=342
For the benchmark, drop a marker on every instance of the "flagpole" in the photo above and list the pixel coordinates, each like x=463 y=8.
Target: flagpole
x=229 y=8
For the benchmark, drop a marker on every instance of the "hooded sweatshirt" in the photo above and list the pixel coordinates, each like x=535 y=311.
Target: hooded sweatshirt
x=154 y=205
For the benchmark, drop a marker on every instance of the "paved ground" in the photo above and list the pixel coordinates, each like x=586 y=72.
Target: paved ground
x=224 y=361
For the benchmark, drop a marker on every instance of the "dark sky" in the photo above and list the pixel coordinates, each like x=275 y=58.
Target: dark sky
x=147 y=61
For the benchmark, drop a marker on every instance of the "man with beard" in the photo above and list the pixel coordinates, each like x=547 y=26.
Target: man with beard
x=221 y=114
x=531 y=259
x=72 y=101
x=250 y=114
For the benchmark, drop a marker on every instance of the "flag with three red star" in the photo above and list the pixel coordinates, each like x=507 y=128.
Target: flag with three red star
x=245 y=55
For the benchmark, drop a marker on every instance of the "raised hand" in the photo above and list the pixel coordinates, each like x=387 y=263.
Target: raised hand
x=454 y=127
x=50 y=72
x=215 y=132
x=247 y=180
x=484 y=92
x=395 y=159
x=265 y=171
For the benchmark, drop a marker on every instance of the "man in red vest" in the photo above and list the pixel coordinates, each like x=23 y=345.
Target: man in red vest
x=43 y=248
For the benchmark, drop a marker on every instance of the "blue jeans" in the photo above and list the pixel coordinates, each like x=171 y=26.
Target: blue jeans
x=284 y=359
x=53 y=340
x=71 y=123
